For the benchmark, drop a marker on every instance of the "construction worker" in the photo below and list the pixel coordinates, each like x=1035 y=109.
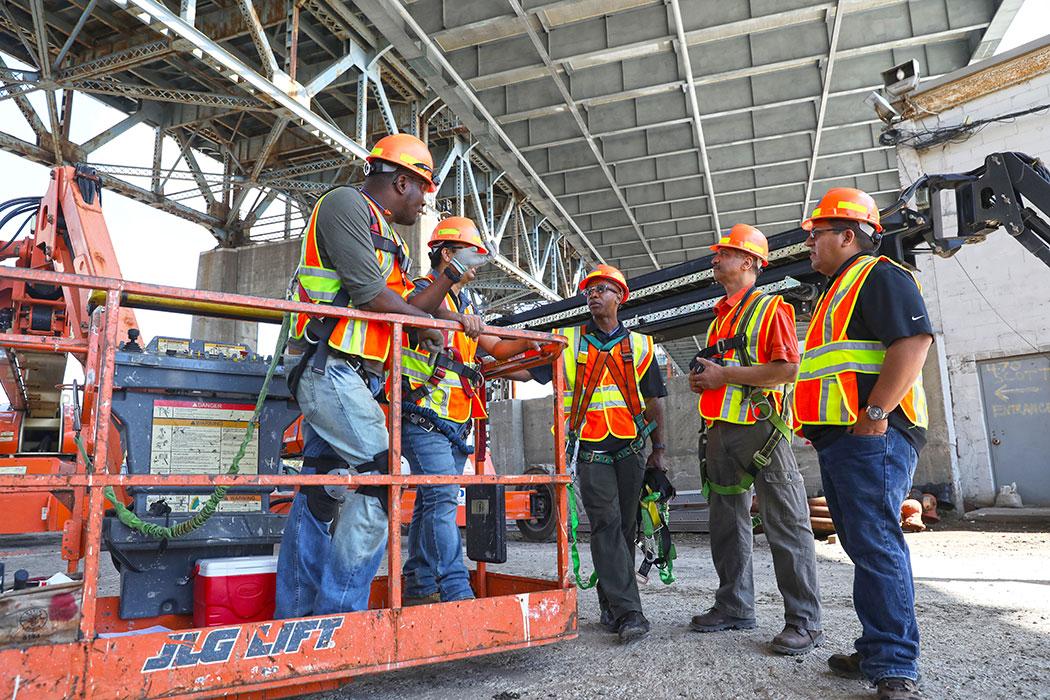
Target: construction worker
x=440 y=400
x=748 y=444
x=612 y=398
x=351 y=256
x=859 y=400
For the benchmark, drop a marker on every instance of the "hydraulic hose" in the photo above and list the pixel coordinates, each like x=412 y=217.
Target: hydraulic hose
x=187 y=526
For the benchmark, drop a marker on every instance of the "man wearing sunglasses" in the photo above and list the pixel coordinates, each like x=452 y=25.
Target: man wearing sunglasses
x=859 y=400
x=612 y=401
x=747 y=444
x=440 y=400
x=352 y=257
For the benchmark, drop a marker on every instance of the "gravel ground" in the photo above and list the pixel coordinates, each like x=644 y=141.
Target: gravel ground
x=982 y=598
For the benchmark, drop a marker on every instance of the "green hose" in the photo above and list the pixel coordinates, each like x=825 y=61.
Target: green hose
x=133 y=521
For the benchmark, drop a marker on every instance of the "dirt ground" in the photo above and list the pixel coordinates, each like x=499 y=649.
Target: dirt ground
x=982 y=598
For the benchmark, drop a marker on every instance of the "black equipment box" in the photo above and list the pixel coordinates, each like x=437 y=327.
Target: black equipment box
x=486 y=523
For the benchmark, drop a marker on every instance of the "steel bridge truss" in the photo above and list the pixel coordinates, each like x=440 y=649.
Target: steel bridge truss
x=257 y=107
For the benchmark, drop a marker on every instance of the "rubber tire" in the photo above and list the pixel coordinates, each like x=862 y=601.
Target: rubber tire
x=540 y=530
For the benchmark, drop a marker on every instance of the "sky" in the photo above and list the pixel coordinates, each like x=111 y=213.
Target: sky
x=160 y=248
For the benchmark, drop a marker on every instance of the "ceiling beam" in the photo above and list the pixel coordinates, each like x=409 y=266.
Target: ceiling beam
x=582 y=125
x=822 y=110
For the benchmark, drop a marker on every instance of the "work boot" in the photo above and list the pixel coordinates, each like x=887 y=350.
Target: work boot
x=845 y=665
x=898 y=689
x=608 y=621
x=632 y=626
x=715 y=621
x=795 y=641
x=410 y=601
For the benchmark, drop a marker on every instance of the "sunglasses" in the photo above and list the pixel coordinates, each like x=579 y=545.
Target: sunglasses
x=598 y=289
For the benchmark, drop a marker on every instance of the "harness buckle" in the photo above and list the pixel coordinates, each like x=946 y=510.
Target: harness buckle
x=421 y=422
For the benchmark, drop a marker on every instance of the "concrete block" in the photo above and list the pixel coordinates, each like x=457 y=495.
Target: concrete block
x=506 y=439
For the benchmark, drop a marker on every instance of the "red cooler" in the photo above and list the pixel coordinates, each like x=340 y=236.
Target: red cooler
x=234 y=590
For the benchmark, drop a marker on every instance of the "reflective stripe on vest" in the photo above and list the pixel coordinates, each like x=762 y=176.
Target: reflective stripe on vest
x=826 y=391
x=447 y=398
x=319 y=284
x=607 y=413
x=730 y=403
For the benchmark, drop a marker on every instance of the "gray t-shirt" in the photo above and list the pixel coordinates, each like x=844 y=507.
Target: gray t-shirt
x=344 y=241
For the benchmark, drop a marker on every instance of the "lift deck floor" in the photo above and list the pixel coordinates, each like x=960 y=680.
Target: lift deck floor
x=290 y=656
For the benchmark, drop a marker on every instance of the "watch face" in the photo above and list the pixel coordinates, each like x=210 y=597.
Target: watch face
x=875 y=413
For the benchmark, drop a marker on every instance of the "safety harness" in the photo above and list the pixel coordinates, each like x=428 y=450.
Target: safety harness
x=654 y=527
x=759 y=400
x=583 y=390
x=442 y=363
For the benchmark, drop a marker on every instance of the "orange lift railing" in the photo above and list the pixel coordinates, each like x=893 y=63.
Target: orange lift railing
x=270 y=658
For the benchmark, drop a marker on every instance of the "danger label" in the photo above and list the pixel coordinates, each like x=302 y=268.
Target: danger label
x=190 y=503
x=200 y=437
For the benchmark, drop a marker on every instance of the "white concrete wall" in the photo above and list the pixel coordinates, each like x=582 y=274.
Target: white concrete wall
x=992 y=299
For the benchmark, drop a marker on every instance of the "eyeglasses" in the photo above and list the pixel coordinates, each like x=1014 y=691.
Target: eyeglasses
x=598 y=289
x=815 y=233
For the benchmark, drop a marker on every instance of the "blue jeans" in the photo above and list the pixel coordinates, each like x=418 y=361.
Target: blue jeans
x=435 y=551
x=866 y=478
x=319 y=573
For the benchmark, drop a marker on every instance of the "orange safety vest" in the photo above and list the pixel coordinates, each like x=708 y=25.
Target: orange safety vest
x=452 y=397
x=608 y=412
x=318 y=284
x=826 y=390
x=731 y=403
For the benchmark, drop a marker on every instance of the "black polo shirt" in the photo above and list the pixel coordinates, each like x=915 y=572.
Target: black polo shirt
x=889 y=307
x=651 y=385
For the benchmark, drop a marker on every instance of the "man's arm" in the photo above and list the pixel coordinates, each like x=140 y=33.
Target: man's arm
x=503 y=349
x=892 y=307
x=654 y=413
x=900 y=369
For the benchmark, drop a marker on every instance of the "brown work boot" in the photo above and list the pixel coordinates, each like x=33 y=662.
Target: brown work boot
x=410 y=601
x=795 y=641
x=715 y=621
x=845 y=665
x=898 y=689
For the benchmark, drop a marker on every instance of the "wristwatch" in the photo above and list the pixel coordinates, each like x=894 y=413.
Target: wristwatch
x=659 y=446
x=875 y=413
x=453 y=274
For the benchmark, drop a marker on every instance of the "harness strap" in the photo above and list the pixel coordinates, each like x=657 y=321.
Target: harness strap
x=759 y=400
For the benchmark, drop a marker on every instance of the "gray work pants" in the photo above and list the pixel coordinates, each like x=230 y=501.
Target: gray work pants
x=785 y=519
x=610 y=494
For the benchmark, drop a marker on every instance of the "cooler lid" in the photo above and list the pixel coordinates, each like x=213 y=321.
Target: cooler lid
x=237 y=566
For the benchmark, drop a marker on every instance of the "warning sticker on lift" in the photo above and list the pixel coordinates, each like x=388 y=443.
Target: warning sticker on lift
x=233 y=352
x=191 y=503
x=201 y=437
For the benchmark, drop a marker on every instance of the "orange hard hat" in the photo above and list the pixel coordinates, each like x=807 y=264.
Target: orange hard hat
x=407 y=152
x=607 y=272
x=457 y=229
x=846 y=203
x=746 y=238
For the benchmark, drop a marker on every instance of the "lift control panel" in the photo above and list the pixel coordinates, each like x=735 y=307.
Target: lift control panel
x=183 y=407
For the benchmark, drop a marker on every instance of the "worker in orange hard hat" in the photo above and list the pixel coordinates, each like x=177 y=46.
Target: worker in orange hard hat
x=441 y=397
x=742 y=375
x=859 y=399
x=746 y=238
x=613 y=401
x=352 y=257
x=403 y=151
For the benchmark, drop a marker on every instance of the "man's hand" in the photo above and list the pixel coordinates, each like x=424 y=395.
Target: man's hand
x=431 y=339
x=656 y=460
x=867 y=426
x=472 y=324
x=713 y=376
x=466 y=258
